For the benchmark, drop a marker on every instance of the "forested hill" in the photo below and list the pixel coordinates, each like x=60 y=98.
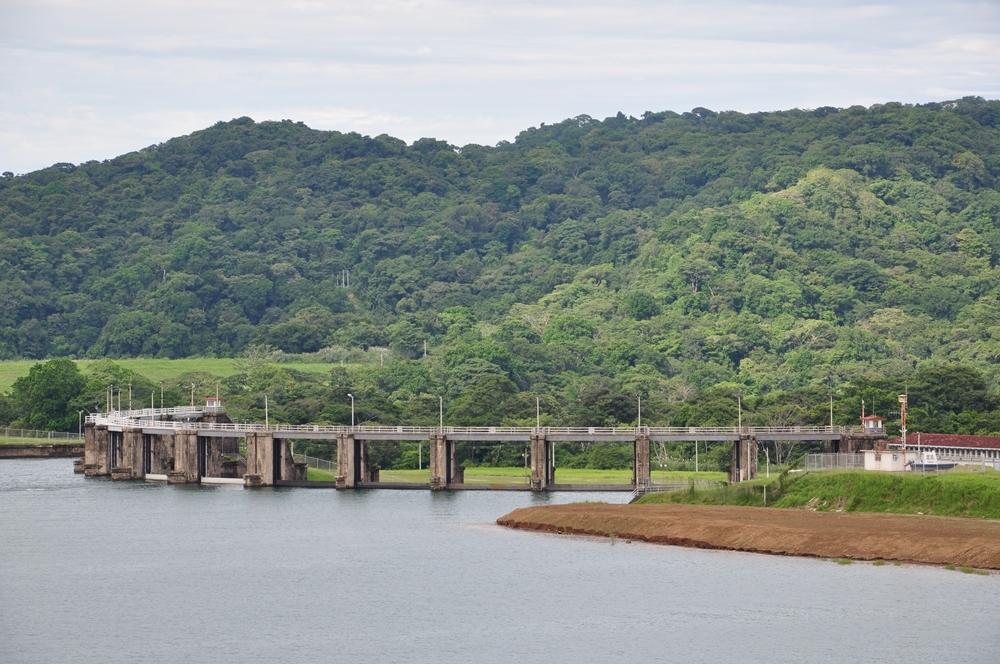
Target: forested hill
x=661 y=255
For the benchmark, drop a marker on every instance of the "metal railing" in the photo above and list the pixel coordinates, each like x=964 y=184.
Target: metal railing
x=145 y=413
x=134 y=418
x=314 y=462
x=821 y=462
x=8 y=432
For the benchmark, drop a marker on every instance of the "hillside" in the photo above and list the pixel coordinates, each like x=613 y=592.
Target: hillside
x=784 y=255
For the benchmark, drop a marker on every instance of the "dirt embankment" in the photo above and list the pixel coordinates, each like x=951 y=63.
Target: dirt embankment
x=854 y=535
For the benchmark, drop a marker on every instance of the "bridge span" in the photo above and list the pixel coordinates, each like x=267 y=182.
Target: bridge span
x=192 y=444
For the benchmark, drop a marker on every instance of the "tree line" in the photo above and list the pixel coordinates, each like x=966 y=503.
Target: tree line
x=687 y=258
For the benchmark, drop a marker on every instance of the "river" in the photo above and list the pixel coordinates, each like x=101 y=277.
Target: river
x=94 y=570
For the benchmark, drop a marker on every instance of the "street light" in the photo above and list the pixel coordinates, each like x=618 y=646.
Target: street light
x=352 y=410
x=640 y=410
x=441 y=411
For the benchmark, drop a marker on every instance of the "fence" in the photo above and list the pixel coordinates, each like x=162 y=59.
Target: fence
x=820 y=462
x=314 y=462
x=8 y=432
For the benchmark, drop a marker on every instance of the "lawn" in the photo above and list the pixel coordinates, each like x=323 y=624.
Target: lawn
x=946 y=494
x=486 y=475
x=158 y=370
x=36 y=441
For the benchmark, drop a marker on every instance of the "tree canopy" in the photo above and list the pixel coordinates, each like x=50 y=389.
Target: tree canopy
x=685 y=257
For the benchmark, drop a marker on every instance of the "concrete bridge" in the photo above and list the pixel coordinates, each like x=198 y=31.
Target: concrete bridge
x=193 y=444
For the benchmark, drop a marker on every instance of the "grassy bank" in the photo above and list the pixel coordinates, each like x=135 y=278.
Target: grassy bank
x=157 y=370
x=485 y=475
x=949 y=494
x=38 y=441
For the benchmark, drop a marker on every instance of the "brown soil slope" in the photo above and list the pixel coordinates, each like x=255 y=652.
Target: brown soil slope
x=855 y=535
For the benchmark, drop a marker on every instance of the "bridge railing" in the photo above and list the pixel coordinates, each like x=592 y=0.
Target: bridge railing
x=139 y=418
x=146 y=413
x=7 y=432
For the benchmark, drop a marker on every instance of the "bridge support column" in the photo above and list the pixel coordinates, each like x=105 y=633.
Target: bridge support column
x=97 y=465
x=185 y=458
x=90 y=449
x=129 y=461
x=641 y=476
x=161 y=453
x=352 y=462
x=442 y=461
x=744 y=465
x=260 y=459
x=543 y=470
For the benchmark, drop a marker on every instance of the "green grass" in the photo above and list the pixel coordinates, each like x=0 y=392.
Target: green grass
x=486 y=475
x=38 y=441
x=949 y=494
x=317 y=475
x=158 y=370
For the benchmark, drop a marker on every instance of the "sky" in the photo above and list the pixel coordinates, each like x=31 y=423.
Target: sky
x=93 y=79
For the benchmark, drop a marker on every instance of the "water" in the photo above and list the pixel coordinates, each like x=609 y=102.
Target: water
x=94 y=570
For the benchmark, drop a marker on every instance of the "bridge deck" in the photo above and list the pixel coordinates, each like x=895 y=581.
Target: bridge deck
x=148 y=421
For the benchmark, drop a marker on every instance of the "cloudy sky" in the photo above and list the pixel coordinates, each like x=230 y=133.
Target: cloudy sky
x=91 y=79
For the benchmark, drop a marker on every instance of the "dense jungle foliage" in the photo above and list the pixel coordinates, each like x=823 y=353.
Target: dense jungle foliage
x=687 y=258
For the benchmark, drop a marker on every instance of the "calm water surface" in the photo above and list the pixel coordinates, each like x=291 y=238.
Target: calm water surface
x=92 y=570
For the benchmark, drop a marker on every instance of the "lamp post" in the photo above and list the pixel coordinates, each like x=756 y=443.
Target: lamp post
x=441 y=412
x=79 y=422
x=161 y=394
x=538 y=413
x=640 y=411
x=267 y=419
x=352 y=410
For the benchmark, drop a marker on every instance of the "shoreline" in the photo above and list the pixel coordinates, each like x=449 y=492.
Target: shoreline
x=861 y=536
x=44 y=451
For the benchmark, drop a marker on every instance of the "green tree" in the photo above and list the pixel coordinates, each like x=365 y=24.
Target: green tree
x=44 y=398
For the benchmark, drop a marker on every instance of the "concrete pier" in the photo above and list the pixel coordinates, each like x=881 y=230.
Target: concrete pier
x=185 y=458
x=353 y=467
x=260 y=459
x=641 y=476
x=96 y=452
x=129 y=461
x=440 y=452
x=744 y=462
x=543 y=468
x=90 y=449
